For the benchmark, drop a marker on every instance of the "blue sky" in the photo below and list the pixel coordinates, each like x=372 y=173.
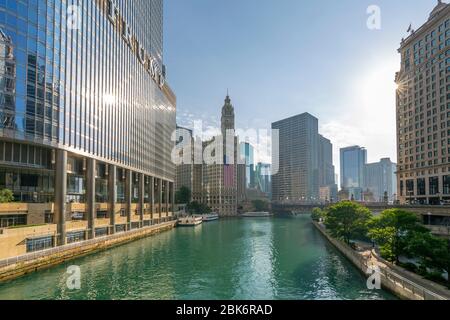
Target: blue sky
x=284 y=57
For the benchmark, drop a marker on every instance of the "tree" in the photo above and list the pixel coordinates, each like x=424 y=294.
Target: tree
x=183 y=195
x=198 y=208
x=432 y=251
x=347 y=220
x=392 y=230
x=6 y=196
x=318 y=214
x=260 y=205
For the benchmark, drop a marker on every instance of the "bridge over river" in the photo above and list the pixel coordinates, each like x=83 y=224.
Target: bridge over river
x=289 y=208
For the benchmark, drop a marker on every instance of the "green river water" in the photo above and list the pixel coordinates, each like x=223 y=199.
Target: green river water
x=228 y=259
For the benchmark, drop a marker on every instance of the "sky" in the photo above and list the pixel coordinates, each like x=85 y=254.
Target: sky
x=280 y=58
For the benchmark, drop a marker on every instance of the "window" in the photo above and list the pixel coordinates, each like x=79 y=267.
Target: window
x=38 y=244
x=121 y=228
x=446 y=184
x=13 y=220
x=434 y=185
x=101 y=232
x=77 y=216
x=102 y=214
x=421 y=191
x=48 y=217
x=78 y=236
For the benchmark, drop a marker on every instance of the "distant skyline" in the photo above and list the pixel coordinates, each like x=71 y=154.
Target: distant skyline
x=282 y=58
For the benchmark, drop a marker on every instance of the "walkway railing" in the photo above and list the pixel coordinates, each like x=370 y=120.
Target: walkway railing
x=391 y=276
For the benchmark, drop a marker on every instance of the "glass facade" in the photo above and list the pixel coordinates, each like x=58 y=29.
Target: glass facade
x=86 y=116
x=353 y=160
x=81 y=86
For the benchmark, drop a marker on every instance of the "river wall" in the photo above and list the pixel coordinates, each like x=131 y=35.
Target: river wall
x=19 y=266
x=402 y=283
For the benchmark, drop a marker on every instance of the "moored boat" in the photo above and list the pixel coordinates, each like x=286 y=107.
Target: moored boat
x=189 y=221
x=210 y=217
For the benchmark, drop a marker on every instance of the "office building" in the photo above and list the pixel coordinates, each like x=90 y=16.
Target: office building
x=86 y=120
x=381 y=181
x=297 y=179
x=423 y=118
x=263 y=178
x=248 y=158
x=353 y=159
x=219 y=182
x=327 y=183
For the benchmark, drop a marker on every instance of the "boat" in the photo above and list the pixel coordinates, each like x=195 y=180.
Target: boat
x=210 y=217
x=256 y=215
x=189 y=221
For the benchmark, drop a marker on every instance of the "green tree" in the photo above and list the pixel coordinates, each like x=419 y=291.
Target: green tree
x=318 y=214
x=347 y=220
x=260 y=205
x=6 y=196
x=392 y=230
x=432 y=251
x=198 y=208
x=183 y=195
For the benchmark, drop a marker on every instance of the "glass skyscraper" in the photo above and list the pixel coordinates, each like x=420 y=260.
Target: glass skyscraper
x=247 y=154
x=86 y=115
x=353 y=160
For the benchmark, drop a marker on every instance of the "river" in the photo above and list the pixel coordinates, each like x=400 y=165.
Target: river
x=228 y=259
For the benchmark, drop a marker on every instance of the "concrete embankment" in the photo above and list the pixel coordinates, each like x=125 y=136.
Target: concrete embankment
x=400 y=282
x=18 y=266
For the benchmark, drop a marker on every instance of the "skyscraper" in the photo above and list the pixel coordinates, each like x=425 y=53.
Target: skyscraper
x=87 y=118
x=423 y=103
x=380 y=179
x=220 y=181
x=353 y=160
x=263 y=178
x=248 y=157
x=297 y=178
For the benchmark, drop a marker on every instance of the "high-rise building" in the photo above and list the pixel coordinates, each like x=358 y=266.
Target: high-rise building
x=248 y=157
x=327 y=182
x=297 y=179
x=423 y=102
x=86 y=119
x=263 y=178
x=353 y=159
x=380 y=180
x=222 y=183
x=185 y=170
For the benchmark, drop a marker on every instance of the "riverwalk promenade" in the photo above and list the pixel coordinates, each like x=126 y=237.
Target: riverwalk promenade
x=402 y=283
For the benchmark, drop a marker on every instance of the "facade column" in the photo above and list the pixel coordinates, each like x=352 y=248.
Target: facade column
x=60 y=195
x=160 y=198
x=112 y=197
x=167 y=195
x=90 y=197
x=141 y=197
x=172 y=199
x=128 y=182
x=152 y=197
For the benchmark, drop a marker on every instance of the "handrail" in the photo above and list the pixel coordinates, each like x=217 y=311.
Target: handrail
x=389 y=274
